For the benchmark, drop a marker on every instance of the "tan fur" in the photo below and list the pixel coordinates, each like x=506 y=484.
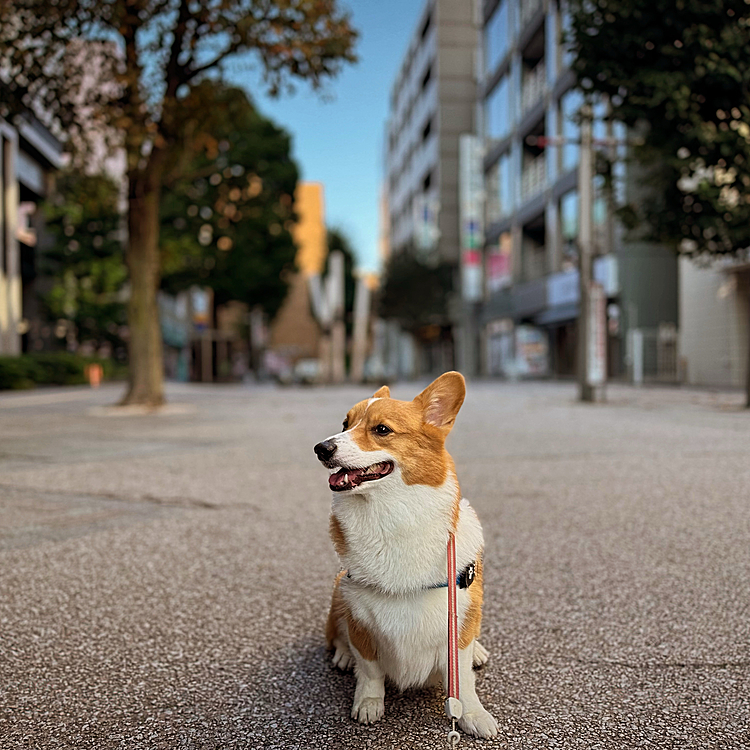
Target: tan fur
x=473 y=621
x=337 y=536
x=361 y=639
x=359 y=636
x=417 y=445
x=337 y=612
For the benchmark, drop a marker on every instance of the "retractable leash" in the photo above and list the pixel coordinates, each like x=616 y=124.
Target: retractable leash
x=453 y=706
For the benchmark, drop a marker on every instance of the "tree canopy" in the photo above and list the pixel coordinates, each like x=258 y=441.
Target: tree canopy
x=84 y=257
x=227 y=208
x=415 y=293
x=679 y=72
x=123 y=70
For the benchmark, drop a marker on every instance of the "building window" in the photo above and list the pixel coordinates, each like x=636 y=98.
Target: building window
x=427 y=77
x=427 y=182
x=497 y=111
x=427 y=130
x=426 y=27
x=570 y=104
x=569 y=229
x=499 y=191
x=496 y=37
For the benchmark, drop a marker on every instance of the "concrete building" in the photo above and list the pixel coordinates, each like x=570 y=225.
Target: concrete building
x=294 y=333
x=529 y=317
x=29 y=155
x=432 y=103
x=714 y=323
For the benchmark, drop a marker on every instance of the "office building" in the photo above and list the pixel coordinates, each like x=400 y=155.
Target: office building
x=432 y=103
x=527 y=94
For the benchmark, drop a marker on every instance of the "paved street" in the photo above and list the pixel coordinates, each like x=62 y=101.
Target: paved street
x=164 y=580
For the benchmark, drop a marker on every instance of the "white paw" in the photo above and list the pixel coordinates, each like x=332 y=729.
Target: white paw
x=343 y=659
x=368 y=710
x=479 y=723
x=481 y=654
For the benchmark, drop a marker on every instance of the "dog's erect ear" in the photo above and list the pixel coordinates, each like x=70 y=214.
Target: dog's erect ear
x=442 y=399
x=384 y=392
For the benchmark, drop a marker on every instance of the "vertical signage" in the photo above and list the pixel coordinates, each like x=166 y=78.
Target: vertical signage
x=426 y=212
x=471 y=205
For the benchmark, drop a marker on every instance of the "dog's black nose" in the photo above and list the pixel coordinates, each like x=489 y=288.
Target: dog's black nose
x=325 y=450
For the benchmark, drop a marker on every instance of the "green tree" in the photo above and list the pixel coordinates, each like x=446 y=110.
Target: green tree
x=679 y=72
x=228 y=210
x=415 y=293
x=85 y=258
x=130 y=65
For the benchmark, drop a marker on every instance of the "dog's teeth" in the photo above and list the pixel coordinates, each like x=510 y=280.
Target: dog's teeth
x=346 y=479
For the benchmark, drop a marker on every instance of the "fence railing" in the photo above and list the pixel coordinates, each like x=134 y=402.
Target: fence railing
x=653 y=355
x=533 y=178
x=532 y=88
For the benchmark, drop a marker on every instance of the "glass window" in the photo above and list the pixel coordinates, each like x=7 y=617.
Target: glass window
x=497 y=111
x=570 y=104
x=505 y=193
x=569 y=216
x=496 y=38
x=499 y=195
x=569 y=229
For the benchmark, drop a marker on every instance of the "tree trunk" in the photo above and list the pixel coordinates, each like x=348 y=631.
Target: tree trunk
x=747 y=374
x=146 y=370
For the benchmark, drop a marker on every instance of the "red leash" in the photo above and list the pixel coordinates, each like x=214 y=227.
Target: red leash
x=453 y=705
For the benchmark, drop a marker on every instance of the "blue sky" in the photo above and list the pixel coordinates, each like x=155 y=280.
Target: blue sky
x=338 y=138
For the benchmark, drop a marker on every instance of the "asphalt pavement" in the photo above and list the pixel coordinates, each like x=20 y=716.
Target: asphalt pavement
x=165 y=579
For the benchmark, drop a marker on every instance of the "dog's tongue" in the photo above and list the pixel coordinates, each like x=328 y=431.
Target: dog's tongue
x=346 y=478
x=349 y=478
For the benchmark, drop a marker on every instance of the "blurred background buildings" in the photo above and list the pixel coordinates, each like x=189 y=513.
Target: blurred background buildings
x=666 y=320
x=480 y=195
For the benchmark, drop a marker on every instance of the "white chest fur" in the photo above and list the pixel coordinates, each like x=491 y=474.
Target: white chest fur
x=396 y=548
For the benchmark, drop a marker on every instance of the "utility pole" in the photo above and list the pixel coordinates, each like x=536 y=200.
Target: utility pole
x=592 y=333
x=592 y=322
x=586 y=390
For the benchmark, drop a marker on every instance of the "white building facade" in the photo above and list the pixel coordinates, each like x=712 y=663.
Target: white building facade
x=432 y=103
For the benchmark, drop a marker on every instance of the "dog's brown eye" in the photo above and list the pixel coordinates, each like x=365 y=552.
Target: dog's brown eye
x=345 y=425
x=382 y=429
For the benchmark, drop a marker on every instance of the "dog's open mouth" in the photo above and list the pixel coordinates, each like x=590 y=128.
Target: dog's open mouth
x=348 y=479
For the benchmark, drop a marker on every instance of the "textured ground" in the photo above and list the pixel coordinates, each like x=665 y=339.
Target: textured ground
x=164 y=580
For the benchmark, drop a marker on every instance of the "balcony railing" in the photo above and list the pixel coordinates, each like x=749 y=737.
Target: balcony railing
x=533 y=178
x=532 y=89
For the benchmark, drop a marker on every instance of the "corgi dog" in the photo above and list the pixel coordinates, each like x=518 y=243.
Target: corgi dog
x=396 y=499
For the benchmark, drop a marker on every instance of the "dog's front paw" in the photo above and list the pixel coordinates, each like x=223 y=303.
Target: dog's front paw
x=481 y=655
x=368 y=710
x=479 y=723
x=342 y=658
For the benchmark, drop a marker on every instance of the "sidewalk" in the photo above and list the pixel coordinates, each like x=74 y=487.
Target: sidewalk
x=165 y=579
